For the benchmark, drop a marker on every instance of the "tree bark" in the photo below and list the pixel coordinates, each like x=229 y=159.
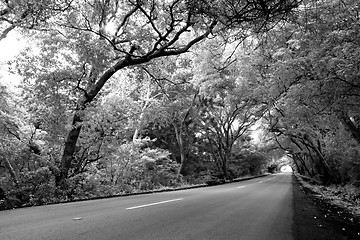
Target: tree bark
x=300 y=170
x=139 y=126
x=140 y=122
x=349 y=125
x=328 y=172
x=179 y=133
x=225 y=164
x=303 y=163
x=70 y=148
x=180 y=142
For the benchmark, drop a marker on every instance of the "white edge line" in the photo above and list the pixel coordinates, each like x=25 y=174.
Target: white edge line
x=240 y=187
x=260 y=181
x=156 y=203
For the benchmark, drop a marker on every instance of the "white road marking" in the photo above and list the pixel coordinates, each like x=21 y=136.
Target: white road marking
x=260 y=181
x=156 y=203
x=240 y=187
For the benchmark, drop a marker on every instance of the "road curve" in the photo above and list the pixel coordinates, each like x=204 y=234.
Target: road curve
x=257 y=209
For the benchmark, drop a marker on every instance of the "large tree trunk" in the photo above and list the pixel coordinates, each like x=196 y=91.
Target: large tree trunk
x=140 y=123
x=73 y=135
x=179 y=134
x=69 y=149
x=225 y=168
x=349 y=125
x=225 y=160
x=180 y=142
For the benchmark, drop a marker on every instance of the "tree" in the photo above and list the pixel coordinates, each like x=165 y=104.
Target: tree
x=153 y=42
x=9 y=131
x=176 y=104
x=312 y=67
x=28 y=14
x=102 y=38
x=232 y=100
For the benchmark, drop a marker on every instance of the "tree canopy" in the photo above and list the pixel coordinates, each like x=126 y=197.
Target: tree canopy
x=122 y=96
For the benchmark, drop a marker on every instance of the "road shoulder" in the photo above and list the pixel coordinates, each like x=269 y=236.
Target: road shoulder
x=314 y=219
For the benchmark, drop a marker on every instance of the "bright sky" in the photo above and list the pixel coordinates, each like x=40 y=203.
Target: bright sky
x=286 y=168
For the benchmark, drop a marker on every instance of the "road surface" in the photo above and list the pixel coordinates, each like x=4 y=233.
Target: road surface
x=257 y=209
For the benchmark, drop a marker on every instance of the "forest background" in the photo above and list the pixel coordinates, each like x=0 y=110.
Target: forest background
x=123 y=96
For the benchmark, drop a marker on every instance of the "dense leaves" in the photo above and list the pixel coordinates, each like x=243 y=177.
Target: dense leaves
x=125 y=96
x=315 y=73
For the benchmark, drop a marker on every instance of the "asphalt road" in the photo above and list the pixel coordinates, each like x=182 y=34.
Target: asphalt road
x=256 y=209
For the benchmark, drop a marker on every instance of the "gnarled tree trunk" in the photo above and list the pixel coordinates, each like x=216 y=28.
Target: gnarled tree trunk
x=349 y=125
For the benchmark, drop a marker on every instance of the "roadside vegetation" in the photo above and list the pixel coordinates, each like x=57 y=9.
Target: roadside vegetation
x=118 y=97
x=345 y=197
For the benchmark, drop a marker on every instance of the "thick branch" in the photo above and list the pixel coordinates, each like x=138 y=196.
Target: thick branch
x=349 y=125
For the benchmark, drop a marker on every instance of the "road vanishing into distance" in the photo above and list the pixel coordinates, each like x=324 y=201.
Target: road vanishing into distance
x=256 y=209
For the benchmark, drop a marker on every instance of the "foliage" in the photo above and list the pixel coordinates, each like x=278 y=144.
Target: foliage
x=232 y=100
x=29 y=14
x=315 y=94
x=126 y=96
x=131 y=168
